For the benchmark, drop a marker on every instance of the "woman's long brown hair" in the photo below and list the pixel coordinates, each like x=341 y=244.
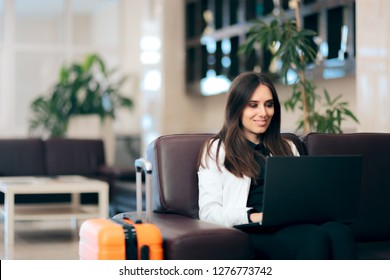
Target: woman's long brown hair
x=240 y=159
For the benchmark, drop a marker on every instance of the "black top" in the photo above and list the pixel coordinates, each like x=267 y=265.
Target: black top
x=256 y=191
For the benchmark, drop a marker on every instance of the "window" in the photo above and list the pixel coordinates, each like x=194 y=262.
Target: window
x=96 y=23
x=39 y=22
x=1 y=23
x=216 y=28
x=42 y=35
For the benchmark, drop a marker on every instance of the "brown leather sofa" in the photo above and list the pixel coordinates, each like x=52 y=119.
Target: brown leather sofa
x=372 y=229
x=175 y=192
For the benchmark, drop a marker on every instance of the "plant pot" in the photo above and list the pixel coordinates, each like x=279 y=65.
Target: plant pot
x=92 y=127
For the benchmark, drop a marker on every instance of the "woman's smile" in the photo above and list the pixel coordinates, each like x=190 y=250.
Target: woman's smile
x=257 y=115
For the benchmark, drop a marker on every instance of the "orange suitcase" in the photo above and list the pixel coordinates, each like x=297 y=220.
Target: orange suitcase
x=124 y=237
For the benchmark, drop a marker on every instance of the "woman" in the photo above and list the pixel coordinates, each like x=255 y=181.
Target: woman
x=231 y=176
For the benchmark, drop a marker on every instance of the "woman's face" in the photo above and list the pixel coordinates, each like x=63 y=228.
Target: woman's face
x=258 y=113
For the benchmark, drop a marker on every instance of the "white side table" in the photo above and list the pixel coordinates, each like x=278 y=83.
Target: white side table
x=74 y=185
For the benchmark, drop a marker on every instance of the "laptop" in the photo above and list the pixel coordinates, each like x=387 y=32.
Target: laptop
x=310 y=189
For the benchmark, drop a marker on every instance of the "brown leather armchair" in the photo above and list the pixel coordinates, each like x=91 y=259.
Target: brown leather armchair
x=175 y=203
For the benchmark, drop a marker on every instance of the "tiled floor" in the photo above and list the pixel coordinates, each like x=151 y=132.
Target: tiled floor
x=41 y=240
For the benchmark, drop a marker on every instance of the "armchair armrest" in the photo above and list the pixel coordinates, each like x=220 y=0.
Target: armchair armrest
x=190 y=239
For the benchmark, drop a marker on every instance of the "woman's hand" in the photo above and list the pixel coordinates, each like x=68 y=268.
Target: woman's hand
x=256 y=217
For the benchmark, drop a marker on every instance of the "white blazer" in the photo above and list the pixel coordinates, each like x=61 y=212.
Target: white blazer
x=222 y=195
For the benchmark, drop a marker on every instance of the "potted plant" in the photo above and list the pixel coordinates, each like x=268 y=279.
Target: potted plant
x=82 y=89
x=290 y=46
